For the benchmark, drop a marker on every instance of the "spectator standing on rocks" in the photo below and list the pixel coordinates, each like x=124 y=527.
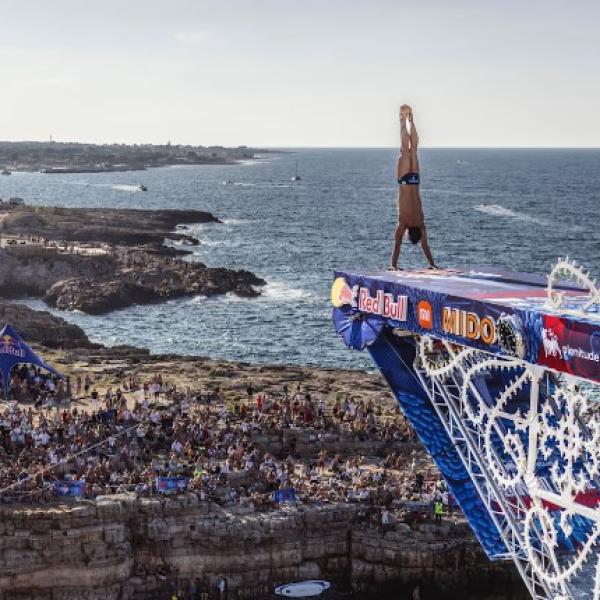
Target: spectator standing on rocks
x=222 y=587
x=385 y=519
x=438 y=510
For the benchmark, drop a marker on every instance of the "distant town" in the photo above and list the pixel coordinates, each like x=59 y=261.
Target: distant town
x=61 y=157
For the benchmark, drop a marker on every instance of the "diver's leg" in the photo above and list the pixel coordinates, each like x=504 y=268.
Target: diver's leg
x=414 y=145
x=404 y=158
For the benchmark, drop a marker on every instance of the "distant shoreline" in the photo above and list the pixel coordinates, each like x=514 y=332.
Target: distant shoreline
x=61 y=158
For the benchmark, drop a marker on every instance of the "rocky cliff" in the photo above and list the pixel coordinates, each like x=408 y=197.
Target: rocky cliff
x=120 y=547
x=110 y=225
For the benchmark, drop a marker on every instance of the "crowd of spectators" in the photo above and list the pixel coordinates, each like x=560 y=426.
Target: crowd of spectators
x=123 y=438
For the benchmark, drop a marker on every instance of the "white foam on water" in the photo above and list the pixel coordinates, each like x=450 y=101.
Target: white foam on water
x=263 y=185
x=212 y=243
x=237 y=221
x=502 y=211
x=195 y=300
x=495 y=209
x=126 y=188
x=276 y=290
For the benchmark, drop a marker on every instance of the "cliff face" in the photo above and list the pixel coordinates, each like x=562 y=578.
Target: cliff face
x=33 y=274
x=121 y=548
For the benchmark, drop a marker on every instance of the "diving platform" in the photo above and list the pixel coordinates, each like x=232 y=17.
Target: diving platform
x=497 y=372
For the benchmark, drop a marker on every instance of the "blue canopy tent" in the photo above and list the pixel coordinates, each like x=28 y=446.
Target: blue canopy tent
x=14 y=351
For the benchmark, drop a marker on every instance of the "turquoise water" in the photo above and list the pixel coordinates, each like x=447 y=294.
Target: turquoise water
x=519 y=209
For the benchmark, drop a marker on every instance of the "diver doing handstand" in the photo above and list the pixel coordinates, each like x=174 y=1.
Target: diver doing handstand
x=410 y=211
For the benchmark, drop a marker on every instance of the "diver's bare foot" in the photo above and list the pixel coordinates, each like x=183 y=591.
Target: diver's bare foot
x=405 y=111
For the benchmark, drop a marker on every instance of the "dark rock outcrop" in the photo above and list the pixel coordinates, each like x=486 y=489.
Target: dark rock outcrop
x=108 y=225
x=156 y=282
x=41 y=327
x=127 y=264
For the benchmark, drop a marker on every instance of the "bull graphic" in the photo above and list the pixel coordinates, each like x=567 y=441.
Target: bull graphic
x=551 y=345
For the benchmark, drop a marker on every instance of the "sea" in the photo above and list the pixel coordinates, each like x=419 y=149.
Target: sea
x=515 y=208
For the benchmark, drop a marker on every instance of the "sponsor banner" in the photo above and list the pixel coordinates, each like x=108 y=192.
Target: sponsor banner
x=385 y=304
x=425 y=314
x=569 y=347
x=165 y=485
x=468 y=324
x=284 y=495
x=564 y=343
x=70 y=488
x=12 y=346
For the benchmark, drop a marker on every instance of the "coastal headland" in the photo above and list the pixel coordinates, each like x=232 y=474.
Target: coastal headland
x=98 y=260
x=60 y=157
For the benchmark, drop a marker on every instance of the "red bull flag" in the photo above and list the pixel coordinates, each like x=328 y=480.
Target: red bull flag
x=14 y=351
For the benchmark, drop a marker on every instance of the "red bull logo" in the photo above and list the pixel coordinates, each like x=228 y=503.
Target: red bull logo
x=10 y=345
x=342 y=294
x=382 y=303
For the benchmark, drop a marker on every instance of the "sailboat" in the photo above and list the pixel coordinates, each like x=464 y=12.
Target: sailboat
x=296 y=177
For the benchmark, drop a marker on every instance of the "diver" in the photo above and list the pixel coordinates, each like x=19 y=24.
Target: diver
x=410 y=211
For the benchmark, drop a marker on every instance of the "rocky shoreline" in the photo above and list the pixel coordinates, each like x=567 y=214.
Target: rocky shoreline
x=122 y=547
x=100 y=260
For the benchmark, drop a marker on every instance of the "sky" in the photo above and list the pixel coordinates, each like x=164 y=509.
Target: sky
x=280 y=73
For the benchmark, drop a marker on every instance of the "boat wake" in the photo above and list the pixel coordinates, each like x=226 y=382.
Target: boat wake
x=126 y=188
x=502 y=211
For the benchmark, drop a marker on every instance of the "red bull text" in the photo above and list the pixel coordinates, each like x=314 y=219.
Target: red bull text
x=9 y=345
x=383 y=304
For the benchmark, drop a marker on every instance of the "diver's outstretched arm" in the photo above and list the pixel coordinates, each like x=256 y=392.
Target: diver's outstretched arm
x=400 y=230
x=426 y=249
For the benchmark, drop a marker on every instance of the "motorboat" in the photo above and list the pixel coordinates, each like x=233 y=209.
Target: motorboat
x=142 y=188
